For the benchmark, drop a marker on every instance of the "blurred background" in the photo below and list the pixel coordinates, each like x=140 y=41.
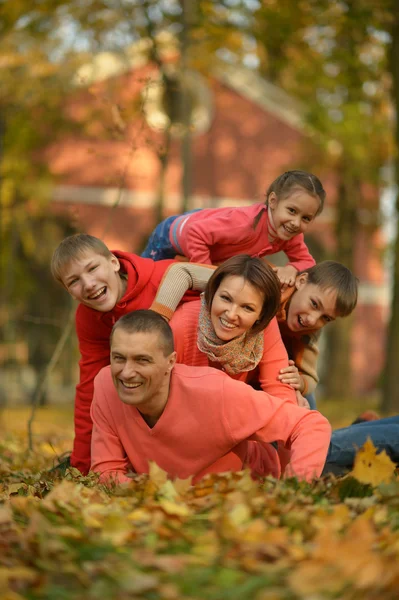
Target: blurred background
x=115 y=114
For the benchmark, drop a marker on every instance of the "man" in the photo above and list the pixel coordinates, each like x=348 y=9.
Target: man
x=147 y=408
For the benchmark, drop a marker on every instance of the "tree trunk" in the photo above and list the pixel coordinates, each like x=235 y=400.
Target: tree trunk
x=185 y=105
x=338 y=372
x=390 y=399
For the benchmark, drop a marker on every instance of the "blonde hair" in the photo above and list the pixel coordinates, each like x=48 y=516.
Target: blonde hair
x=73 y=247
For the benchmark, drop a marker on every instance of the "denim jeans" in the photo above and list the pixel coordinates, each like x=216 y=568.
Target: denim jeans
x=312 y=401
x=159 y=246
x=384 y=433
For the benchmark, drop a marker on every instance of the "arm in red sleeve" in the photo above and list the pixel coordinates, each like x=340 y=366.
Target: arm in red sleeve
x=108 y=455
x=261 y=417
x=93 y=339
x=274 y=358
x=298 y=253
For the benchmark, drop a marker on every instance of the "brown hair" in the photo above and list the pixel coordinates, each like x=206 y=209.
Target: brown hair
x=73 y=247
x=294 y=179
x=147 y=321
x=330 y=274
x=256 y=272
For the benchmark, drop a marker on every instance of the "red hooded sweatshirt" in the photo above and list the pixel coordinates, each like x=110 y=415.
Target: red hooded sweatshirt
x=93 y=329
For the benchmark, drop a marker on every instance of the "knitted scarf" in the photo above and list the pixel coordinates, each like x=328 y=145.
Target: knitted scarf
x=240 y=354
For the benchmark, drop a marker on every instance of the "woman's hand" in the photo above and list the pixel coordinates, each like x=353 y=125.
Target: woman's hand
x=286 y=275
x=290 y=375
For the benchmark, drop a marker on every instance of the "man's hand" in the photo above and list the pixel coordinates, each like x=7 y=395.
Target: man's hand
x=302 y=402
x=286 y=275
x=290 y=375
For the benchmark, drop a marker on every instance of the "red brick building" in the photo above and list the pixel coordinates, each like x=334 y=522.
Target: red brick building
x=250 y=134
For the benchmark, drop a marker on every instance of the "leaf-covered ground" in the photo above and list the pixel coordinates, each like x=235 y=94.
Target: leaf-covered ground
x=228 y=537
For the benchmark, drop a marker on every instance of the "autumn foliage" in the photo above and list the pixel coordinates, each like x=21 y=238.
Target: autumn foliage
x=226 y=537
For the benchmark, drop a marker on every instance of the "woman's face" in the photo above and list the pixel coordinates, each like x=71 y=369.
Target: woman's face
x=236 y=306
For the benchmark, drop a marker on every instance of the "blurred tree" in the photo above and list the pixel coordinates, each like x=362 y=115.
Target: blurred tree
x=332 y=58
x=390 y=388
x=31 y=93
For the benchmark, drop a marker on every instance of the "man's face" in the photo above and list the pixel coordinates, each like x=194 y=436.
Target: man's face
x=140 y=370
x=311 y=307
x=94 y=280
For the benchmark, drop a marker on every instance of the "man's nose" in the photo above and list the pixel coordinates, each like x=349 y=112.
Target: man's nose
x=128 y=370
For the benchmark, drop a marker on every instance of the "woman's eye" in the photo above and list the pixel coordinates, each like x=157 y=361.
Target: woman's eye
x=225 y=298
x=313 y=303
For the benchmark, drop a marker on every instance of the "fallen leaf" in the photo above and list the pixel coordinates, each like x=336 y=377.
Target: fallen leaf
x=370 y=467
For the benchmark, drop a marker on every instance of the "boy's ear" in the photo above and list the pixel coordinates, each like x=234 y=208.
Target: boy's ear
x=115 y=263
x=272 y=200
x=301 y=280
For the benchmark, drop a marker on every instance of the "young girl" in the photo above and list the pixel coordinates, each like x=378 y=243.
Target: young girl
x=212 y=235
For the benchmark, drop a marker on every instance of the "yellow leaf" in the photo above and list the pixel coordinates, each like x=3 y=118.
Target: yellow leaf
x=183 y=485
x=172 y=508
x=157 y=475
x=372 y=468
x=14 y=488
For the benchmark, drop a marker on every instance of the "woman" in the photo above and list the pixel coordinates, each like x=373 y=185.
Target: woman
x=233 y=326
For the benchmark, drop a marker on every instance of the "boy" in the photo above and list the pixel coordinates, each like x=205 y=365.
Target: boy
x=108 y=285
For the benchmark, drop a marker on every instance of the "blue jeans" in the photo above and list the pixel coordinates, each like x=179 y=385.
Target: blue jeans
x=159 y=246
x=384 y=433
x=312 y=401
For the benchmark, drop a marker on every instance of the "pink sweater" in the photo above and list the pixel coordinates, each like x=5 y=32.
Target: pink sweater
x=207 y=415
x=212 y=235
x=184 y=324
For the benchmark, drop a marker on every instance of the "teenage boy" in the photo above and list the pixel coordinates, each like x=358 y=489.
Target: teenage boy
x=108 y=285
x=147 y=408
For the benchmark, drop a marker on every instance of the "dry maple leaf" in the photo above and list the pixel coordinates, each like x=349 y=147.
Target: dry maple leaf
x=370 y=467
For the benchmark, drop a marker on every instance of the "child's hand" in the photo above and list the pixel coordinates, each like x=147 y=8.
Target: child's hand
x=302 y=402
x=290 y=375
x=286 y=275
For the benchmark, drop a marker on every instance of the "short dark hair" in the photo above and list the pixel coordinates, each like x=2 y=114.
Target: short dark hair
x=292 y=179
x=73 y=247
x=256 y=272
x=333 y=275
x=147 y=321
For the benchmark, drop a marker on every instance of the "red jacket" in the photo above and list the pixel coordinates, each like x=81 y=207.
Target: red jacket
x=93 y=329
